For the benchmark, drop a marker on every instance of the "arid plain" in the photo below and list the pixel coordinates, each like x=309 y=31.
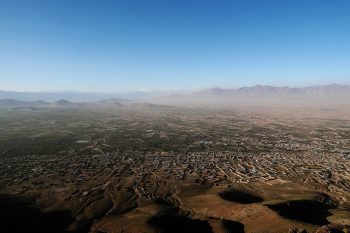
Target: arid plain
x=154 y=168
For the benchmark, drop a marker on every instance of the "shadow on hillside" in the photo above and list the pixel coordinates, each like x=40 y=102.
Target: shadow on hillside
x=240 y=196
x=19 y=215
x=169 y=220
x=232 y=226
x=308 y=211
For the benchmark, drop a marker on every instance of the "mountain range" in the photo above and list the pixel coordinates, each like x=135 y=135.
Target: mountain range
x=327 y=95
x=259 y=91
x=259 y=95
x=77 y=96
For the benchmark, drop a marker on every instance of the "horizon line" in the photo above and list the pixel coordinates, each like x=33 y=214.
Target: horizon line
x=170 y=90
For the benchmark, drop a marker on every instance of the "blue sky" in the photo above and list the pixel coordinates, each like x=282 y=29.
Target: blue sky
x=108 y=46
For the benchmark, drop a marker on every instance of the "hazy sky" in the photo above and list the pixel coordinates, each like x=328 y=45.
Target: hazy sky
x=116 y=45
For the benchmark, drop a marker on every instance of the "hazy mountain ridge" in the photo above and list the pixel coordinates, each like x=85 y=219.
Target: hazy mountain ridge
x=260 y=90
x=327 y=95
x=12 y=103
x=62 y=103
x=258 y=95
x=77 y=96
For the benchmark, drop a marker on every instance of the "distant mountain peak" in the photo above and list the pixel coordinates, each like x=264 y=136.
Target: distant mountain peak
x=63 y=102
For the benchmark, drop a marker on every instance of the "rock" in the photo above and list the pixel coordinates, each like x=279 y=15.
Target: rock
x=333 y=228
x=297 y=230
x=85 y=193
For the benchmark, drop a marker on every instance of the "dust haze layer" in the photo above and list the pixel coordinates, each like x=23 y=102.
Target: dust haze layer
x=333 y=95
